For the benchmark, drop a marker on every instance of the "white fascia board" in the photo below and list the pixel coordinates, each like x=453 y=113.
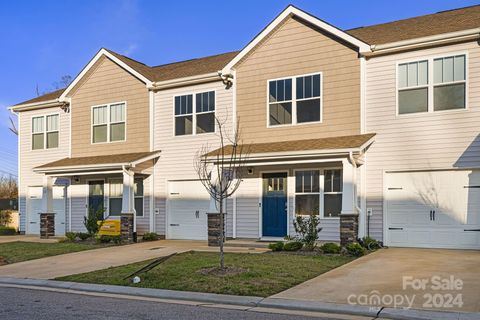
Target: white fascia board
x=35 y=105
x=197 y=79
x=149 y=157
x=99 y=54
x=293 y=11
x=444 y=38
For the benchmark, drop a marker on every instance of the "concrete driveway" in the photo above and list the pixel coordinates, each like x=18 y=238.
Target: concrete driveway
x=97 y=259
x=382 y=274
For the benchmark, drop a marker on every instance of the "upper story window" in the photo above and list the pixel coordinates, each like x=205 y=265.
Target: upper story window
x=108 y=123
x=45 y=132
x=295 y=100
x=418 y=93
x=195 y=116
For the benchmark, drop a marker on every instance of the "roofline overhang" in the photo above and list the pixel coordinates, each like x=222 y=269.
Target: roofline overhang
x=291 y=10
x=38 y=105
x=439 y=39
x=93 y=167
x=185 y=81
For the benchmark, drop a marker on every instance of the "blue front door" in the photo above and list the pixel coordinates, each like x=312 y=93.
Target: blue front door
x=274 y=205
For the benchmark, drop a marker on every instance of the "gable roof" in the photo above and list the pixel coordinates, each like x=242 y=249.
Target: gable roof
x=294 y=11
x=421 y=26
x=43 y=98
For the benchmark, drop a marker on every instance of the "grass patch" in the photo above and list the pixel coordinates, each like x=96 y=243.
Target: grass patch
x=265 y=274
x=12 y=252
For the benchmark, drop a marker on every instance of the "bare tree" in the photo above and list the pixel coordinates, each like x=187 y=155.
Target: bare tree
x=13 y=126
x=8 y=188
x=221 y=171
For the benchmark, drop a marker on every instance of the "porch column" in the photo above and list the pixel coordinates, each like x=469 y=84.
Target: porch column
x=128 y=197
x=348 y=190
x=47 y=194
x=349 y=215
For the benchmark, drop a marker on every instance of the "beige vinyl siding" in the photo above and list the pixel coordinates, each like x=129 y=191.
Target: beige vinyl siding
x=109 y=83
x=29 y=159
x=296 y=48
x=442 y=140
x=178 y=152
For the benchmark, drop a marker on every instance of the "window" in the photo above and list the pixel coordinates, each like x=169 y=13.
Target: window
x=138 y=192
x=307 y=192
x=418 y=93
x=305 y=107
x=413 y=87
x=332 y=193
x=449 y=83
x=115 y=196
x=195 y=116
x=45 y=132
x=108 y=123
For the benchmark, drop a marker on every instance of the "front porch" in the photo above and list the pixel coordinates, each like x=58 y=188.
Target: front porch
x=107 y=186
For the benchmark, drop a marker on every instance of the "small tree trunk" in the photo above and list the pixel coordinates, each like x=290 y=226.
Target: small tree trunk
x=222 y=226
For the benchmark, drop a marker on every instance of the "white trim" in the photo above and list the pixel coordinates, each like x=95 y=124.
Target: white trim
x=320 y=191
x=100 y=53
x=430 y=84
x=260 y=201
x=333 y=192
x=294 y=100
x=44 y=116
x=151 y=109
x=293 y=11
x=108 y=123
x=194 y=113
x=69 y=195
x=70 y=128
x=185 y=81
x=363 y=94
x=36 y=105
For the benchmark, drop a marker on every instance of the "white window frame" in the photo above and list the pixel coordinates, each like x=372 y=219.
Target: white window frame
x=323 y=216
x=108 y=123
x=294 y=100
x=194 y=113
x=138 y=197
x=320 y=191
x=108 y=195
x=431 y=85
x=45 y=131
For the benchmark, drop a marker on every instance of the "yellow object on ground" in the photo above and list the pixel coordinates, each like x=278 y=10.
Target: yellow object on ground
x=110 y=228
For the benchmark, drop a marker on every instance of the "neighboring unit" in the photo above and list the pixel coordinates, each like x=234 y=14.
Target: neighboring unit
x=374 y=129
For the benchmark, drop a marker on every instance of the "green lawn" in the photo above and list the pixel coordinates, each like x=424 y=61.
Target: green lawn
x=12 y=252
x=267 y=273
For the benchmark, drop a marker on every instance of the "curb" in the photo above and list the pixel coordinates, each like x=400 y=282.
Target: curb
x=247 y=301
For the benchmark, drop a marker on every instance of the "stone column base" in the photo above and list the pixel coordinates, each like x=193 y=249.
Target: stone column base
x=348 y=228
x=47 y=225
x=126 y=227
x=214 y=228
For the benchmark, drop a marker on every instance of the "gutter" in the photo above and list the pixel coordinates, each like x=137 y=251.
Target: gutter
x=198 y=79
x=439 y=39
x=38 y=105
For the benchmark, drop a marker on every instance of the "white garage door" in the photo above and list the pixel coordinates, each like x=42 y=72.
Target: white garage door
x=435 y=209
x=34 y=207
x=188 y=203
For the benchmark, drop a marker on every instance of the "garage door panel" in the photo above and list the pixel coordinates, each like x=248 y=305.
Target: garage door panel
x=188 y=204
x=411 y=196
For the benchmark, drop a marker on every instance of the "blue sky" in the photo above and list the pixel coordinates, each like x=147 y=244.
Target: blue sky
x=44 y=40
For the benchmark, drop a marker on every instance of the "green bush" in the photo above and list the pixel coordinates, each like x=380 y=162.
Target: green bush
x=116 y=239
x=105 y=239
x=293 y=246
x=370 y=243
x=277 y=246
x=83 y=236
x=355 y=249
x=91 y=222
x=7 y=231
x=307 y=230
x=331 y=247
x=71 y=236
x=150 y=236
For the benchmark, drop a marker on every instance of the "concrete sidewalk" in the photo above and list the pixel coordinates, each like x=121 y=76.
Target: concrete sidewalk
x=381 y=274
x=24 y=238
x=91 y=260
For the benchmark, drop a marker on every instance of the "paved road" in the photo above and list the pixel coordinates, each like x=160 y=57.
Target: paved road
x=21 y=304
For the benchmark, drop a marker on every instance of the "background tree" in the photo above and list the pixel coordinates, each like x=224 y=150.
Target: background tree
x=221 y=171
x=8 y=188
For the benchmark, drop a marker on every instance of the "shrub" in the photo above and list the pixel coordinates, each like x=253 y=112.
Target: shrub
x=293 y=246
x=370 y=243
x=91 y=222
x=116 y=239
x=83 y=236
x=355 y=249
x=150 y=236
x=307 y=230
x=71 y=236
x=5 y=217
x=104 y=239
x=277 y=246
x=331 y=247
x=7 y=231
